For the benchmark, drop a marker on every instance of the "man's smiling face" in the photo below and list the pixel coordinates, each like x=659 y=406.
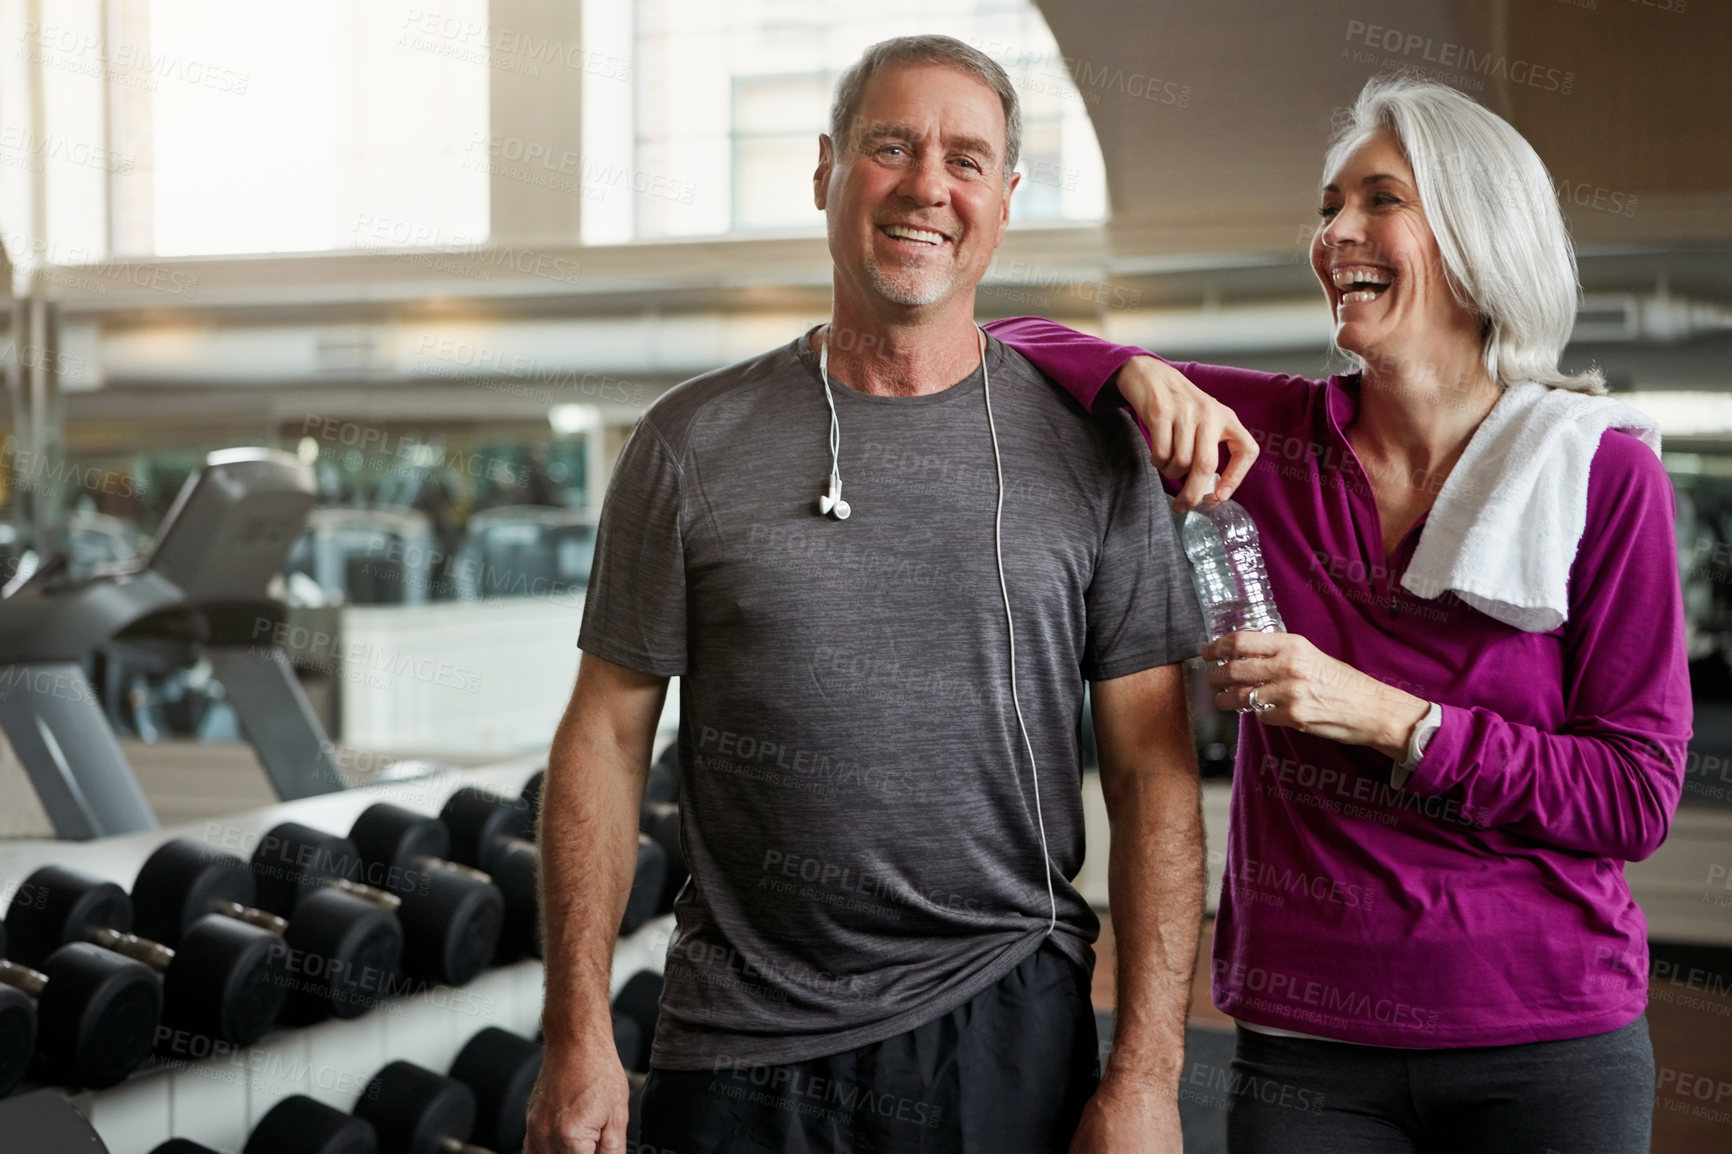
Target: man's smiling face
x=916 y=202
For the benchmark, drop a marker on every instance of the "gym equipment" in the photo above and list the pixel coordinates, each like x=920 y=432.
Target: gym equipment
x=368 y=556
x=329 y=932
x=293 y=861
x=452 y=914
x=294 y=868
x=182 y=881
x=296 y=1125
x=89 y=1014
x=517 y=873
x=482 y=822
x=511 y=550
x=227 y=980
x=415 y=1111
x=663 y=782
x=490 y=832
x=486 y=827
x=485 y=1100
x=203 y=590
x=44 y=1122
x=660 y=822
x=500 y=1069
x=627 y=1040
x=531 y=797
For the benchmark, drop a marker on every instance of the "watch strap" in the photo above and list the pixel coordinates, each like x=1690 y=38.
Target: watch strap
x=1421 y=736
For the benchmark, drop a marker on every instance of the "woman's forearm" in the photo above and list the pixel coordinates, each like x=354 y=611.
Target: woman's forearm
x=1083 y=365
x=1607 y=794
x=1185 y=424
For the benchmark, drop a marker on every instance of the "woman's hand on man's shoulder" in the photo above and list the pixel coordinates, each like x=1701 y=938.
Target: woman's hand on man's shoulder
x=1187 y=429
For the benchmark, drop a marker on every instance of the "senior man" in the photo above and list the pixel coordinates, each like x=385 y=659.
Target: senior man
x=882 y=559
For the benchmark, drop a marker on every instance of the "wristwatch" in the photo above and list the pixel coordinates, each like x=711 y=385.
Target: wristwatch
x=1416 y=743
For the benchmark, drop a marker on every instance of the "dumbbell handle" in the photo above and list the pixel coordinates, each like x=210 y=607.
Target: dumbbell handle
x=265 y=921
x=457 y=868
x=505 y=843
x=381 y=898
x=453 y=1146
x=24 y=978
x=152 y=954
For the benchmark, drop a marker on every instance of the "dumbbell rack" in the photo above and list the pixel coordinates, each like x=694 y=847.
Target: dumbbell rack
x=217 y=1100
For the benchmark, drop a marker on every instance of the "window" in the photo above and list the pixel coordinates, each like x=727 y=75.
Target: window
x=181 y=127
x=726 y=102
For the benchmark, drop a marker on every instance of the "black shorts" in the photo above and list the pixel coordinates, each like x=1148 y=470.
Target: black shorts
x=1009 y=1071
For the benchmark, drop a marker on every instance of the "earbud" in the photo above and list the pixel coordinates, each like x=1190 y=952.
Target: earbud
x=831 y=502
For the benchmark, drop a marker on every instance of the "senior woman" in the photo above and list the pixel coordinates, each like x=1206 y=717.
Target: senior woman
x=1481 y=708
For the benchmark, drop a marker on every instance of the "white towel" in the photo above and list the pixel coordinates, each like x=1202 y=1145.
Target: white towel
x=1504 y=530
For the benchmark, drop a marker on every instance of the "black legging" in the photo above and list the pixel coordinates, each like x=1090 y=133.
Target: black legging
x=1592 y=1095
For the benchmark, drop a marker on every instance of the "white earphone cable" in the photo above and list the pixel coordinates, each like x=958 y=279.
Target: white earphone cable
x=835 y=425
x=1003 y=584
x=1010 y=628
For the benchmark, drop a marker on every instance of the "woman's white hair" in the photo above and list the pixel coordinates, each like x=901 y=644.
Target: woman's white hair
x=1494 y=211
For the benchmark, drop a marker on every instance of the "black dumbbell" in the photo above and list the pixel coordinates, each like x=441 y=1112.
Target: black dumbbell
x=493 y=834
x=531 y=798
x=296 y=1125
x=88 y=1016
x=19 y=989
x=452 y=914
x=663 y=783
x=483 y=823
x=489 y=832
x=639 y=1002
x=660 y=822
x=293 y=866
x=500 y=1069
x=627 y=1040
x=46 y=1122
x=293 y=860
x=183 y=880
x=415 y=1111
x=517 y=873
x=330 y=934
x=226 y=980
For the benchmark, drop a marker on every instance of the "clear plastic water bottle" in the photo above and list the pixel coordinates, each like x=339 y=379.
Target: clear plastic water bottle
x=1227 y=569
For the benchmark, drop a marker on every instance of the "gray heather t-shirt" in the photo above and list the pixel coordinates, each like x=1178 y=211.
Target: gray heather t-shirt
x=857 y=804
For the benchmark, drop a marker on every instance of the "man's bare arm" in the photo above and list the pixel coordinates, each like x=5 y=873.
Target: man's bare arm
x=588 y=841
x=1155 y=886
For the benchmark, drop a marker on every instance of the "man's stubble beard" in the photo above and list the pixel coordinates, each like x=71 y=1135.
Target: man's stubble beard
x=901 y=286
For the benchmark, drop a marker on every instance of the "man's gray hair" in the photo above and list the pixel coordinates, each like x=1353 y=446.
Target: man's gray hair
x=941 y=50
x=1490 y=203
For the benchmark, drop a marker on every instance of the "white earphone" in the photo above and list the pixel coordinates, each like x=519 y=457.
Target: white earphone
x=831 y=503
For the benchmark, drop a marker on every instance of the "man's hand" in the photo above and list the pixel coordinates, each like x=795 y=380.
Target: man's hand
x=1187 y=428
x=1127 y=1116
x=579 y=1102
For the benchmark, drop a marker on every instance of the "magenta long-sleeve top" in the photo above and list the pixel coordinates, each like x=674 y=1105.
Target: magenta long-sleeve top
x=1484 y=902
